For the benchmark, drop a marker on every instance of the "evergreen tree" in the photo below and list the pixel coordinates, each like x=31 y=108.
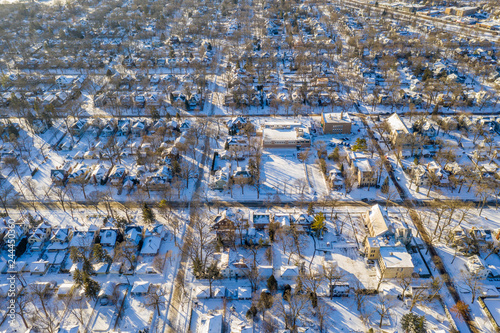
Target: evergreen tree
x=91 y=288
x=310 y=209
x=272 y=284
x=147 y=214
x=318 y=223
x=412 y=323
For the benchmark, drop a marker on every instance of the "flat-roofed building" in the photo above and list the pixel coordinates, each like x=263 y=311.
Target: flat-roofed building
x=465 y=11
x=336 y=123
x=285 y=135
x=395 y=262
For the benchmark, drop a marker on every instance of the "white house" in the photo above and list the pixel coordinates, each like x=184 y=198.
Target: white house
x=477 y=266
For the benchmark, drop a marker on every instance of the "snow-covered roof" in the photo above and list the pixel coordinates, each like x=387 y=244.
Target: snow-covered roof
x=397 y=124
x=39 y=266
x=396 y=257
x=289 y=271
x=108 y=237
x=145 y=268
x=211 y=324
x=378 y=221
x=115 y=268
x=140 y=287
x=336 y=117
x=134 y=235
x=244 y=293
x=65 y=288
x=82 y=238
x=107 y=289
x=151 y=245
x=100 y=267
x=363 y=165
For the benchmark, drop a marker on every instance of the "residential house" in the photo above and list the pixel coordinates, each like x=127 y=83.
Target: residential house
x=139 y=128
x=123 y=127
x=65 y=82
x=117 y=175
x=98 y=174
x=425 y=128
x=477 y=266
x=363 y=168
x=39 y=267
x=140 y=288
x=219 y=180
x=399 y=134
x=65 y=289
x=211 y=323
x=108 y=237
x=260 y=221
x=60 y=239
x=78 y=127
x=157 y=229
x=289 y=272
x=106 y=292
x=335 y=179
x=100 y=268
x=230 y=266
x=39 y=236
x=302 y=220
x=108 y=130
x=151 y=245
x=84 y=238
x=18 y=230
x=58 y=176
x=133 y=234
x=234 y=125
x=224 y=225
x=39 y=126
x=242 y=174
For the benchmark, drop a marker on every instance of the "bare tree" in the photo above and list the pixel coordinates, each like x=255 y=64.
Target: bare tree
x=253 y=275
x=286 y=241
x=311 y=281
x=418 y=295
x=404 y=282
x=359 y=295
x=471 y=281
x=39 y=291
x=79 y=309
x=383 y=307
x=155 y=298
x=127 y=251
x=333 y=274
x=322 y=311
x=23 y=307
x=290 y=309
x=7 y=193
x=61 y=195
x=48 y=319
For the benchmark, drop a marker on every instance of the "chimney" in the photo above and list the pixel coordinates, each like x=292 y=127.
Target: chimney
x=341 y=114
